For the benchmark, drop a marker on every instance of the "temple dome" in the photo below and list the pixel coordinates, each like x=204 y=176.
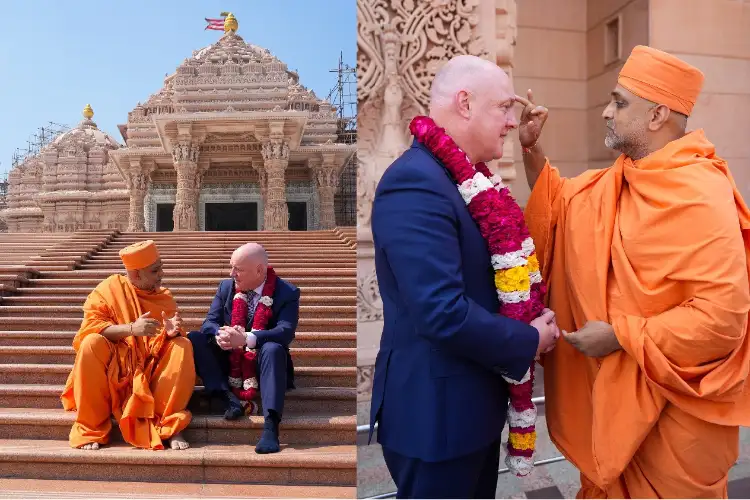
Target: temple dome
x=85 y=136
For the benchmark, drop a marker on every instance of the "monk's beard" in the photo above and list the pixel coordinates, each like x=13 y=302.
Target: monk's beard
x=633 y=147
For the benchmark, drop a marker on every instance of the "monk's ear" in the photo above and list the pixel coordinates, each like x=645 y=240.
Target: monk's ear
x=659 y=117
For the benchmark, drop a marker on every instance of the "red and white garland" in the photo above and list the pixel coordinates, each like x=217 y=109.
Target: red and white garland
x=516 y=269
x=243 y=361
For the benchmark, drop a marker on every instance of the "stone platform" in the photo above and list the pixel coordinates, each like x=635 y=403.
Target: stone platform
x=44 y=280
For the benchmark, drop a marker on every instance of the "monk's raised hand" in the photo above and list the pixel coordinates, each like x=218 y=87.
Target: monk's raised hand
x=595 y=339
x=172 y=325
x=145 y=326
x=531 y=122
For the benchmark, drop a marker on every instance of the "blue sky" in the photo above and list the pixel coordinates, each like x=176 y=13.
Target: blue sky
x=55 y=57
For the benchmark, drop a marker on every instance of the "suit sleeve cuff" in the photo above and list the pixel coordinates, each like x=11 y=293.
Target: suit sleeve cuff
x=525 y=348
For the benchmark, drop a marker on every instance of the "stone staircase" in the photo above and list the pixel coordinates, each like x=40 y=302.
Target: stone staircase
x=41 y=311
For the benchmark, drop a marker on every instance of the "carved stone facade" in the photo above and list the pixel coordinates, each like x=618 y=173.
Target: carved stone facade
x=401 y=46
x=231 y=114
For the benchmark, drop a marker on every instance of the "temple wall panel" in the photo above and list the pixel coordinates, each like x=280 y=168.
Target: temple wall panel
x=720 y=46
x=550 y=60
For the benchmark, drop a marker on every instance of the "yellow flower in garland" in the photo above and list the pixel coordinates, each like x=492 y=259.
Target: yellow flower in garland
x=524 y=441
x=533 y=264
x=515 y=279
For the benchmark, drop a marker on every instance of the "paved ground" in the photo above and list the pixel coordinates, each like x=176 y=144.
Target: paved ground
x=555 y=480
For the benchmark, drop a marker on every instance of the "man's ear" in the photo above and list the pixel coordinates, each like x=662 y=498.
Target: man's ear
x=659 y=116
x=463 y=104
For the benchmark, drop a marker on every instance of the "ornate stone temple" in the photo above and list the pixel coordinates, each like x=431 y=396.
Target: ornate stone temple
x=232 y=141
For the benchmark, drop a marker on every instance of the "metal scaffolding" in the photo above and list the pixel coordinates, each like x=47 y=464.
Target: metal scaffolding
x=34 y=144
x=343 y=96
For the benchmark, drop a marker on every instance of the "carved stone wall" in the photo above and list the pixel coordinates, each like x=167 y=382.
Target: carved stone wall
x=401 y=45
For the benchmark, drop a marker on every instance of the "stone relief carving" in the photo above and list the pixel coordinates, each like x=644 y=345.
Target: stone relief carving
x=365 y=375
x=369 y=303
x=185 y=151
x=401 y=45
x=275 y=150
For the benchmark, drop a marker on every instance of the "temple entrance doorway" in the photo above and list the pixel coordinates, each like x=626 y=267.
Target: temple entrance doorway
x=165 y=216
x=232 y=216
x=297 y=215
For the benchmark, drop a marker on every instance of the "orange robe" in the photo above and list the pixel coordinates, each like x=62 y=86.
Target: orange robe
x=145 y=383
x=658 y=248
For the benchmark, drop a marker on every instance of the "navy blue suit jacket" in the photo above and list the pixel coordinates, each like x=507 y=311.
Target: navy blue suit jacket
x=438 y=391
x=281 y=327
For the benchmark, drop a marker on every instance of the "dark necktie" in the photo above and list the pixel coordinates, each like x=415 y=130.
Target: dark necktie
x=251 y=304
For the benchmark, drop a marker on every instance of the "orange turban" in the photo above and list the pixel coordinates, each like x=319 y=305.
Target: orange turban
x=139 y=255
x=661 y=78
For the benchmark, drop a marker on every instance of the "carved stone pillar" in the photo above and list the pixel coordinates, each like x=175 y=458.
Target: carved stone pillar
x=327 y=181
x=137 y=185
x=275 y=160
x=185 y=157
x=262 y=179
x=138 y=178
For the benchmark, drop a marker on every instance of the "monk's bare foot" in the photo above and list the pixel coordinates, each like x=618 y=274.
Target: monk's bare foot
x=90 y=446
x=177 y=442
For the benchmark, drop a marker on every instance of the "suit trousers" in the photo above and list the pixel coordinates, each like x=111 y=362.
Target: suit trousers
x=212 y=366
x=470 y=476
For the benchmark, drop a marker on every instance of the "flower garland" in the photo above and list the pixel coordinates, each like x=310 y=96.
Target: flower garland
x=243 y=365
x=516 y=269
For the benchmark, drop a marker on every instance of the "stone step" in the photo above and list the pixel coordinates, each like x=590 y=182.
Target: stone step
x=310 y=298
x=300 y=401
x=173 y=281
x=294 y=465
x=57 y=374
x=43 y=268
x=179 y=292
x=300 y=252
x=287 y=273
x=212 y=262
x=18 y=269
x=30 y=423
x=228 y=242
x=239 y=236
x=301 y=356
x=223 y=265
x=62 y=338
x=9 y=323
x=86 y=490
x=13 y=281
x=77 y=311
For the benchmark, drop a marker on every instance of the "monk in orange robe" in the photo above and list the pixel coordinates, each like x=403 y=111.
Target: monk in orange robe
x=647 y=265
x=133 y=360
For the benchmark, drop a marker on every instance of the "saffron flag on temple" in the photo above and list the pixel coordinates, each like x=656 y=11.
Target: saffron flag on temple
x=215 y=24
